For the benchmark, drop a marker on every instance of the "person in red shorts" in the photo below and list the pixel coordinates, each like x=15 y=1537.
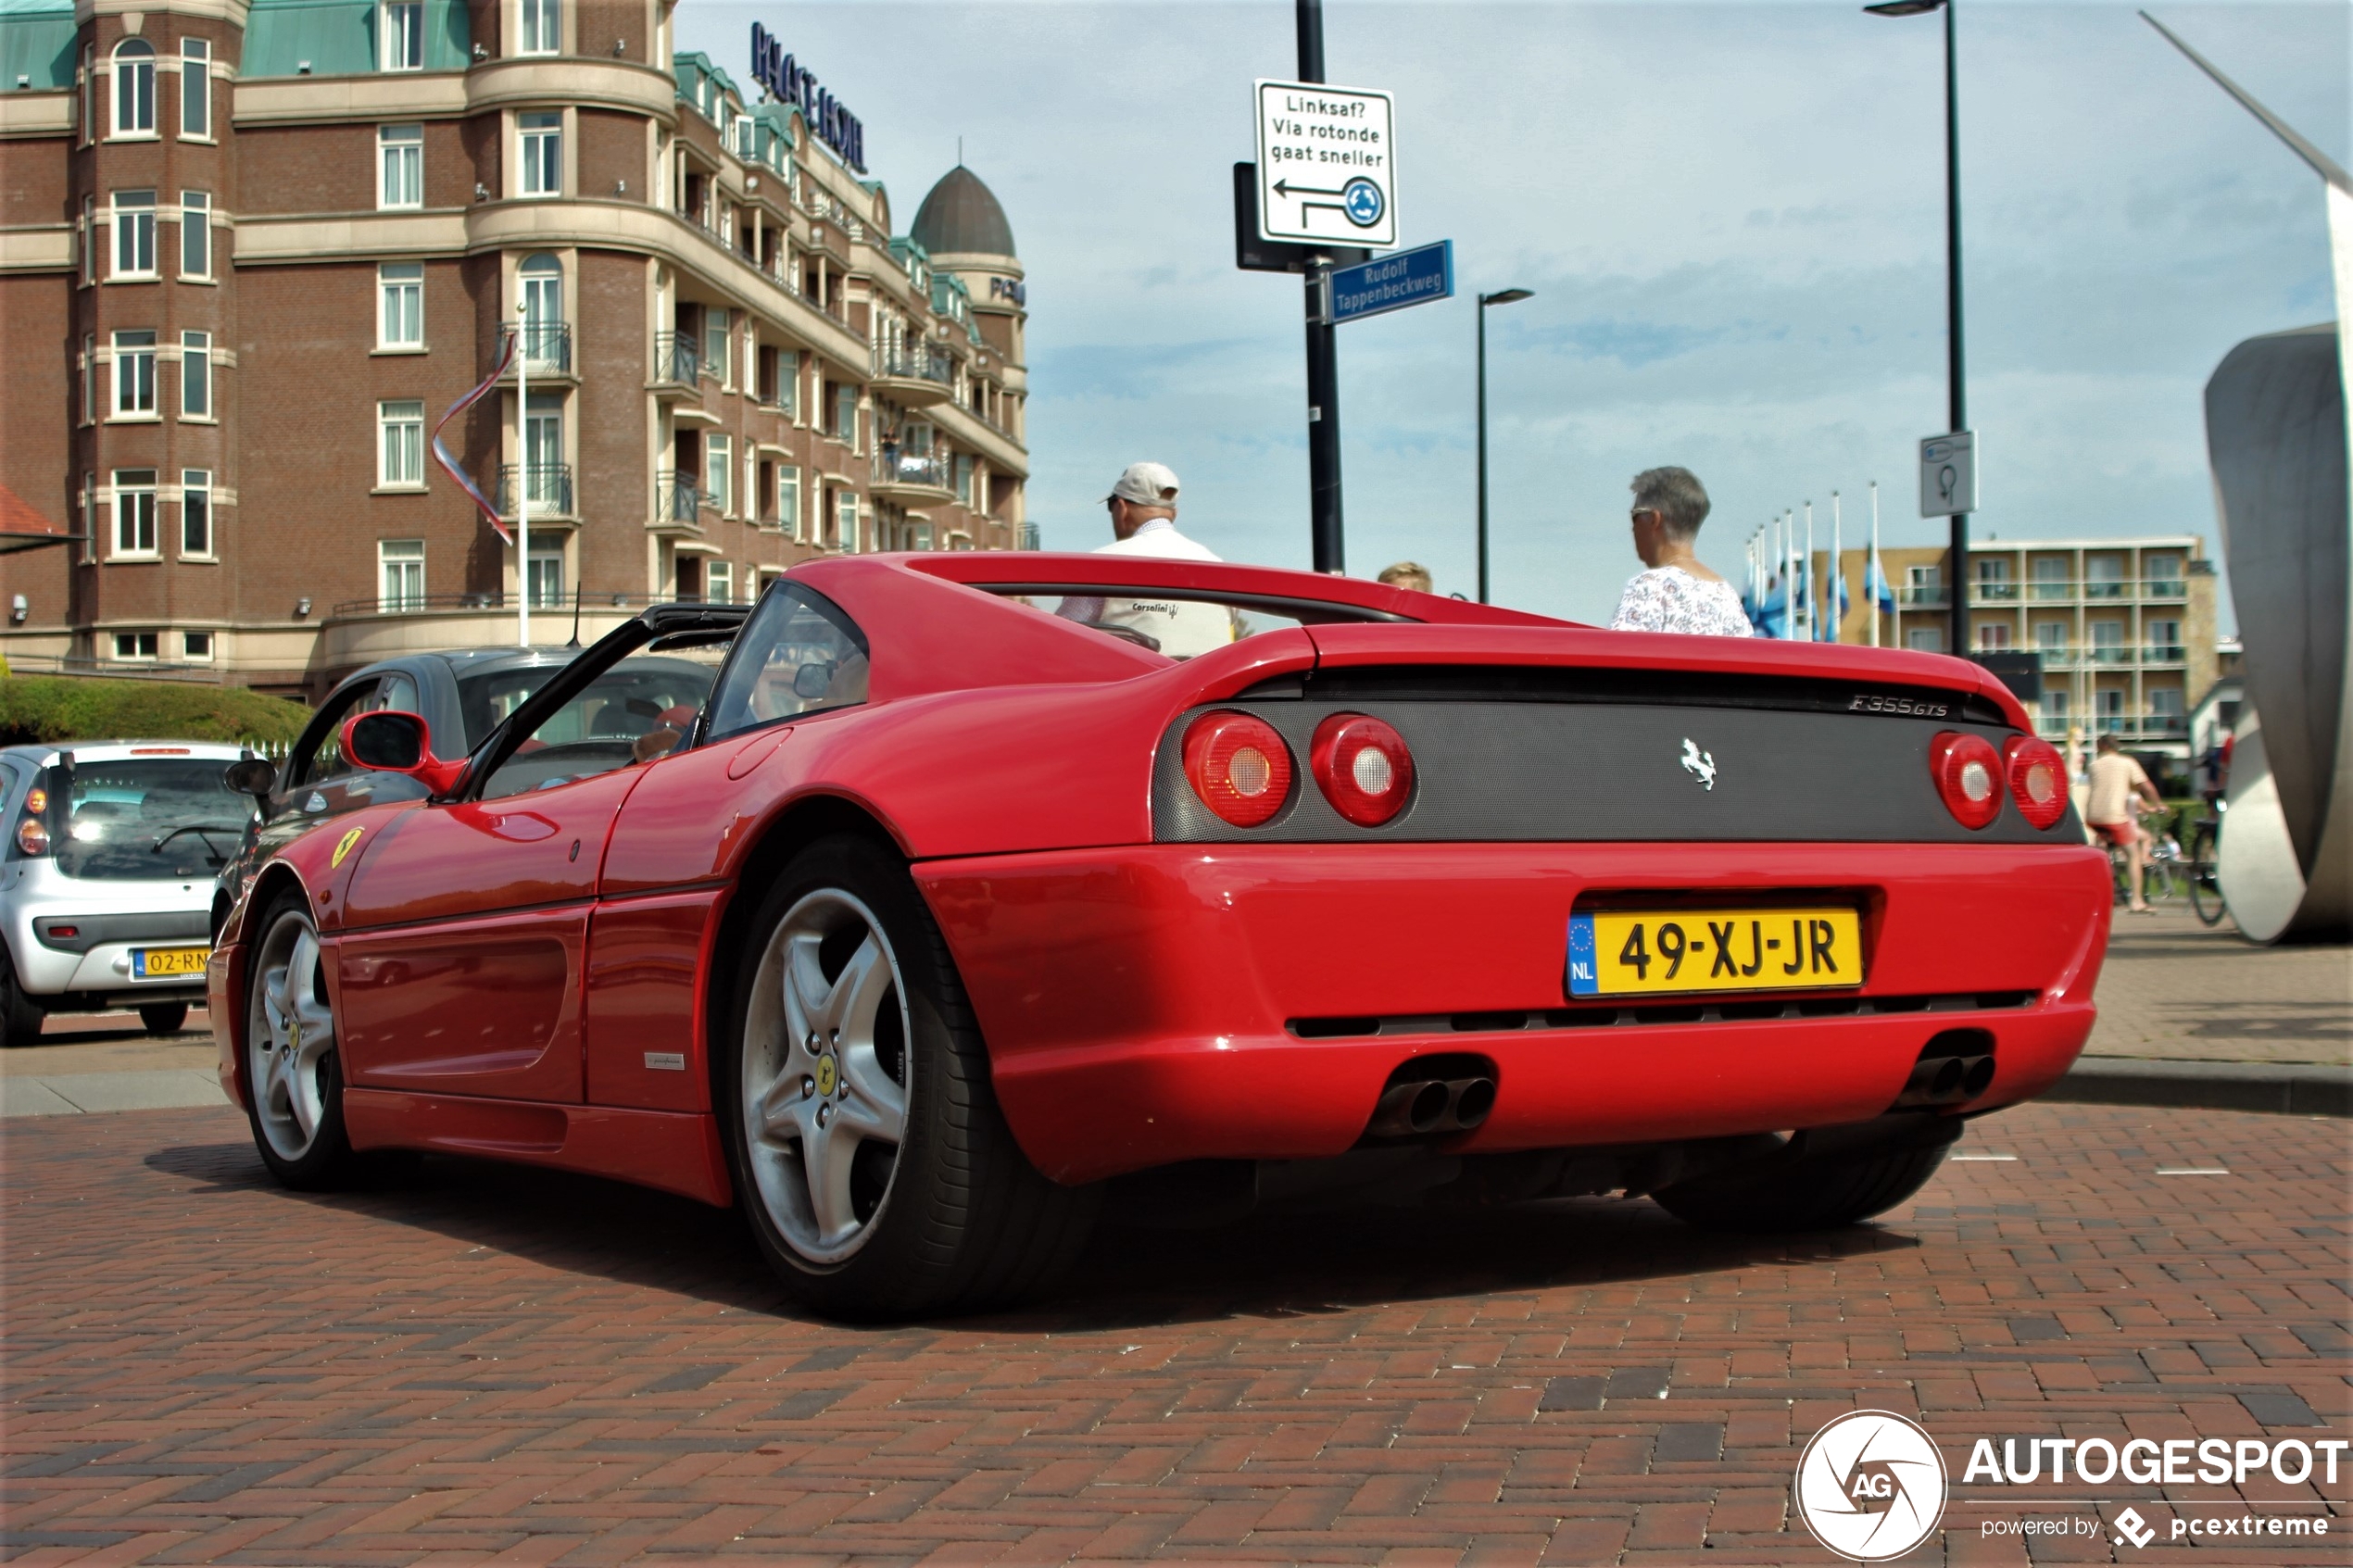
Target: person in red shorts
x=2116 y=782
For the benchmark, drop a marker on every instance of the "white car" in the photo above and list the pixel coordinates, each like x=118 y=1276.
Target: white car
x=105 y=891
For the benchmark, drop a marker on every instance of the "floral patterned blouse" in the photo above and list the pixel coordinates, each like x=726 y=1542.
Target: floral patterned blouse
x=1670 y=599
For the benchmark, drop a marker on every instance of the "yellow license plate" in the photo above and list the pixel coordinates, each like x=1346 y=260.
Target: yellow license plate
x=1644 y=952
x=150 y=963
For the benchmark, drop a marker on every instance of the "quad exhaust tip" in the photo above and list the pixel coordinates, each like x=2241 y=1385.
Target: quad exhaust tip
x=1414 y=1107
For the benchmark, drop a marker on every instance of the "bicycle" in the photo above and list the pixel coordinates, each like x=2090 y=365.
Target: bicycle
x=2163 y=868
x=2203 y=867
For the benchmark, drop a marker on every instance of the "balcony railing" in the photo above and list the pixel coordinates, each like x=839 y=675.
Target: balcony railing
x=485 y=598
x=675 y=497
x=1031 y=539
x=548 y=484
x=917 y=362
x=2106 y=588
x=2107 y=655
x=1993 y=593
x=678 y=360
x=546 y=349
x=2164 y=653
x=905 y=468
x=1920 y=595
x=2049 y=588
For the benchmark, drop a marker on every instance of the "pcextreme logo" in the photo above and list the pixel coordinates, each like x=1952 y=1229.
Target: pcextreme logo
x=1871 y=1486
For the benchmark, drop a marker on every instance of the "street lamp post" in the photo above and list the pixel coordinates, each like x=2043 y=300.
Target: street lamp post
x=1955 y=394
x=1501 y=297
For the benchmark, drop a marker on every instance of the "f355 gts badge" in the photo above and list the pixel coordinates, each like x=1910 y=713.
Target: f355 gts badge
x=1700 y=764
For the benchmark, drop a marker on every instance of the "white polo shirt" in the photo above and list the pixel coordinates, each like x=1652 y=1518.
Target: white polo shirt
x=1181 y=627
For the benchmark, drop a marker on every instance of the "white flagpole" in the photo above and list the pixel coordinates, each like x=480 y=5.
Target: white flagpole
x=1813 y=606
x=522 y=470
x=1875 y=569
x=1789 y=575
x=1838 y=570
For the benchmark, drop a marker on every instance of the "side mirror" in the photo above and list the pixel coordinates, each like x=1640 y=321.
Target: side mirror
x=255 y=776
x=393 y=742
x=813 y=680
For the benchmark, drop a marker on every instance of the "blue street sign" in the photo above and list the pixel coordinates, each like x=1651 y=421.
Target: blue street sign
x=1393 y=282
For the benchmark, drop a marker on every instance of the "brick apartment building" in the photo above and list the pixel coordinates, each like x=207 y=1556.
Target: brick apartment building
x=2125 y=628
x=250 y=250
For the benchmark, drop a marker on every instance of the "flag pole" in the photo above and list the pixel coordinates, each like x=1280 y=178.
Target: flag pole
x=1838 y=571
x=1813 y=607
x=1869 y=586
x=522 y=472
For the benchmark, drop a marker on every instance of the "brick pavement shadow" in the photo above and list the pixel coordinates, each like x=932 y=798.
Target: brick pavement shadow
x=1270 y=1265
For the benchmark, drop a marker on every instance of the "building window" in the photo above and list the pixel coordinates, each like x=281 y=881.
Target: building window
x=2050 y=577
x=195 y=234
x=134 y=375
x=134 y=234
x=1991 y=637
x=2164 y=574
x=89 y=126
x=715 y=339
x=547 y=579
x=141 y=646
x=543 y=440
x=195 y=513
x=2050 y=638
x=2054 y=708
x=89 y=378
x=89 y=239
x=543 y=152
x=401 y=35
x=541 y=27
x=2164 y=639
x=135 y=88
x=719 y=581
x=400 y=304
x=2165 y=702
x=400 y=574
x=845 y=414
x=400 y=158
x=2104 y=577
x=196 y=647
x=789 y=498
x=196 y=89
x=545 y=344
x=135 y=512
x=717 y=486
x=400 y=446
x=1925 y=639
x=196 y=376
x=845 y=520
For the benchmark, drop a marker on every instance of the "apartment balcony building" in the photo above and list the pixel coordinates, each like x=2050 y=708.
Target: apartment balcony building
x=233 y=224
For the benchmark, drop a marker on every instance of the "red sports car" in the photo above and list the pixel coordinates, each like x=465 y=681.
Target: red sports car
x=980 y=885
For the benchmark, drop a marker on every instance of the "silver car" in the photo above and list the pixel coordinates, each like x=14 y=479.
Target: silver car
x=105 y=890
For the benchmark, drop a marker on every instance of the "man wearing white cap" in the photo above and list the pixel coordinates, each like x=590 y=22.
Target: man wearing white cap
x=1143 y=520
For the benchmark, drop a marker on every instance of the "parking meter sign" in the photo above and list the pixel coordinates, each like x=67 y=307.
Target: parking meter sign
x=1948 y=475
x=1326 y=165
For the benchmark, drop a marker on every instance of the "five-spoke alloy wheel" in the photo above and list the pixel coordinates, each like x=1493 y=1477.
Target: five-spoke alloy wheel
x=293 y=1073
x=853 y=1090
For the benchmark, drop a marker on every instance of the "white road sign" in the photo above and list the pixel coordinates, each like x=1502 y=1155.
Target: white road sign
x=1948 y=475
x=1326 y=166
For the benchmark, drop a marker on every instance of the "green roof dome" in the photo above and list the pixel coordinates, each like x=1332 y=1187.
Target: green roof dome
x=960 y=215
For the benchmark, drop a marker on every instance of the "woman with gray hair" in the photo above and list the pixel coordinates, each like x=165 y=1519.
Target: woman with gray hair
x=1677 y=594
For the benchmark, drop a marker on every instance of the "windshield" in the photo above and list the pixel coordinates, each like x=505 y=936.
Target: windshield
x=638 y=709
x=144 y=818
x=485 y=701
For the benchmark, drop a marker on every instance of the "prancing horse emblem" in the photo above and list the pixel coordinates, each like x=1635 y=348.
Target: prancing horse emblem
x=1700 y=764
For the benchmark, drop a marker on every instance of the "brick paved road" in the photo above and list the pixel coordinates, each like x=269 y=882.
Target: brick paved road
x=2175 y=989
x=479 y=1364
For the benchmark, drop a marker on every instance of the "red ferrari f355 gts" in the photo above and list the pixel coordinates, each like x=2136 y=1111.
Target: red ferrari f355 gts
x=981 y=886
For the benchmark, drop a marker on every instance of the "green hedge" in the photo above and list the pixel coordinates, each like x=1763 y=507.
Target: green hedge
x=54 y=707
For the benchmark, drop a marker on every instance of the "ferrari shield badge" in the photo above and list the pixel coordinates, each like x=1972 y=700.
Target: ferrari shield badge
x=343 y=847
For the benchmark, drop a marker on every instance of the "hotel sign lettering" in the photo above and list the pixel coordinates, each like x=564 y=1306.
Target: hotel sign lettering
x=788 y=83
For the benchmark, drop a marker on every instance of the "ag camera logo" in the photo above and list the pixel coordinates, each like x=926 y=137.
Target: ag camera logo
x=1871 y=1486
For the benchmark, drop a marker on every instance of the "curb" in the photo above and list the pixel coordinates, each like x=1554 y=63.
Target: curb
x=2298 y=1089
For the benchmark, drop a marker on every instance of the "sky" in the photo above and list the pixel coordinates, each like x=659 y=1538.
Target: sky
x=1732 y=216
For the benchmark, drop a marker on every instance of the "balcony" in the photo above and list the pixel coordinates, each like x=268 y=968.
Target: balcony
x=2106 y=588
x=2164 y=588
x=547 y=485
x=677 y=363
x=546 y=349
x=1993 y=593
x=907 y=478
x=2154 y=726
x=2107 y=652
x=2054 y=588
x=676 y=501
x=1921 y=595
x=915 y=376
x=2164 y=653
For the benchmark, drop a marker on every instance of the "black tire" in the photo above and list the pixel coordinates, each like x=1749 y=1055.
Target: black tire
x=20 y=1016
x=295 y=1112
x=1797 y=1191
x=2205 y=886
x=952 y=1217
x=163 y=1017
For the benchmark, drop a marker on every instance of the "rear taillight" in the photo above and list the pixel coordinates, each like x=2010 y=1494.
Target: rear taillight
x=1363 y=767
x=32 y=837
x=2038 y=780
x=1968 y=775
x=1238 y=766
